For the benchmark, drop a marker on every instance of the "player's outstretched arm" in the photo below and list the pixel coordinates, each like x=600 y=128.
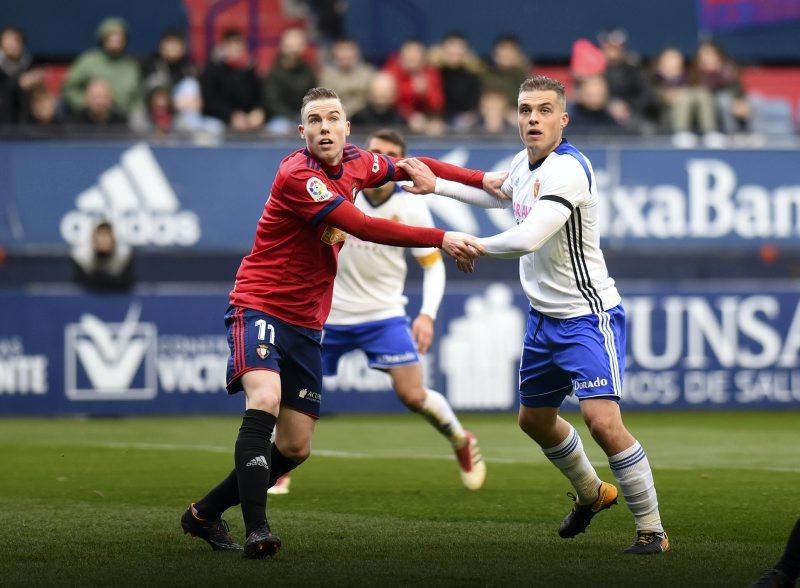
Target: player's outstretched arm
x=351 y=220
x=542 y=222
x=426 y=182
x=448 y=171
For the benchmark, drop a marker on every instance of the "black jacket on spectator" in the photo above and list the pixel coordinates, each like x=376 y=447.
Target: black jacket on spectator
x=627 y=82
x=115 y=118
x=10 y=99
x=227 y=89
x=160 y=73
x=584 y=121
x=369 y=116
x=284 y=89
x=462 y=90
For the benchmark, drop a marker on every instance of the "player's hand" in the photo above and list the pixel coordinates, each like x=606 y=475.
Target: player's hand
x=462 y=247
x=422 y=331
x=422 y=176
x=492 y=181
x=467 y=267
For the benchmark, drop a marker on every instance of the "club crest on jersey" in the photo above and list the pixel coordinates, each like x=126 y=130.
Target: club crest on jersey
x=536 y=185
x=262 y=350
x=317 y=189
x=332 y=235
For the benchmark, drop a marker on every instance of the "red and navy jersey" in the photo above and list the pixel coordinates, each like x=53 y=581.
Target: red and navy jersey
x=289 y=272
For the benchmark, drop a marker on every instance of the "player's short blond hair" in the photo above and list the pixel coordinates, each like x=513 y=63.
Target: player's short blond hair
x=317 y=94
x=544 y=83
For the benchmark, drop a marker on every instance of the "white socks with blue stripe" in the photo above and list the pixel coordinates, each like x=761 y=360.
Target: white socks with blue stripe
x=635 y=478
x=440 y=414
x=569 y=457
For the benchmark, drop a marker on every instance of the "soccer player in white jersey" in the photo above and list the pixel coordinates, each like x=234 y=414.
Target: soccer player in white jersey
x=368 y=313
x=575 y=339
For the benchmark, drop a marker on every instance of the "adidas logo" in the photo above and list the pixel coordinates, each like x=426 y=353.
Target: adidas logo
x=136 y=197
x=258 y=461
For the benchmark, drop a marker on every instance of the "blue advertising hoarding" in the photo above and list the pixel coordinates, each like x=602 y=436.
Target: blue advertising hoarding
x=210 y=199
x=162 y=352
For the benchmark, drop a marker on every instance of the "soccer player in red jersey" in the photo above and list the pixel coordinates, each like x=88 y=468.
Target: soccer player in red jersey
x=281 y=299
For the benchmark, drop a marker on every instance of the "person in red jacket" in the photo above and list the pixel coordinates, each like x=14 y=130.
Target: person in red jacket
x=420 y=95
x=281 y=299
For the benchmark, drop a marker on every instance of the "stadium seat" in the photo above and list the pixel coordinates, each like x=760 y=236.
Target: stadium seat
x=774 y=82
x=54 y=77
x=771 y=116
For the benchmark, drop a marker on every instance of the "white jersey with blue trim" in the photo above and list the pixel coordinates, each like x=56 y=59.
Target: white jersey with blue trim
x=371 y=277
x=567 y=276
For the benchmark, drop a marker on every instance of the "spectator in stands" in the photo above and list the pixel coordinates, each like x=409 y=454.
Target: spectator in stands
x=17 y=76
x=348 y=75
x=103 y=264
x=494 y=113
x=420 y=97
x=683 y=106
x=160 y=109
x=231 y=90
x=187 y=99
x=508 y=68
x=327 y=18
x=42 y=109
x=380 y=110
x=98 y=108
x=287 y=82
x=589 y=112
x=460 y=81
x=630 y=95
x=170 y=64
x=716 y=72
x=108 y=63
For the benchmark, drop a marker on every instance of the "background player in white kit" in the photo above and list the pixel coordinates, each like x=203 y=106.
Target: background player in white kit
x=368 y=313
x=575 y=339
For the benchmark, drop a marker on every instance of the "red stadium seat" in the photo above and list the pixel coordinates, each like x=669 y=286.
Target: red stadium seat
x=773 y=82
x=54 y=77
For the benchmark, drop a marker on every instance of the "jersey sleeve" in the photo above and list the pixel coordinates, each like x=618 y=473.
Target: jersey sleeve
x=565 y=185
x=379 y=168
x=309 y=195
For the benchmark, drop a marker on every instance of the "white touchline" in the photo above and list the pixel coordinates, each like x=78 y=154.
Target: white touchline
x=332 y=453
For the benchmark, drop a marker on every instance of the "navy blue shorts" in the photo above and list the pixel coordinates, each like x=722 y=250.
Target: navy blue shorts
x=388 y=343
x=259 y=341
x=584 y=356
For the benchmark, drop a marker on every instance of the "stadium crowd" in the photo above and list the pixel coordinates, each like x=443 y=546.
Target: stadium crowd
x=431 y=90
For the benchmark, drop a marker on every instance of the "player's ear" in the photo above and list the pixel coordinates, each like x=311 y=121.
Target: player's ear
x=347 y=128
x=564 y=119
x=302 y=131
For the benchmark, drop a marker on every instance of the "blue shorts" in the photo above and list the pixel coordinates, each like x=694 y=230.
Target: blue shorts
x=584 y=355
x=387 y=343
x=259 y=341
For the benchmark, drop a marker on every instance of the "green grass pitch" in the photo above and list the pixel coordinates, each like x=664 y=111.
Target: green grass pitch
x=97 y=502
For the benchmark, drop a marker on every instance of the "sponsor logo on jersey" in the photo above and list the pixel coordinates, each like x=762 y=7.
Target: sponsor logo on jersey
x=136 y=197
x=332 y=235
x=262 y=350
x=317 y=189
x=375 y=163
